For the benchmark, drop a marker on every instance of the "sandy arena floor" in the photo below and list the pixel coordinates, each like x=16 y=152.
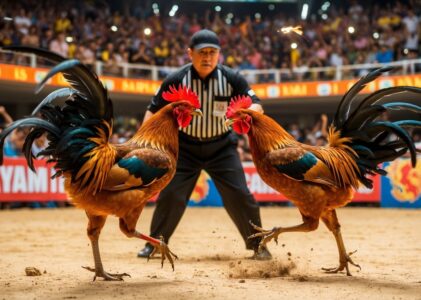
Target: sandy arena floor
x=213 y=263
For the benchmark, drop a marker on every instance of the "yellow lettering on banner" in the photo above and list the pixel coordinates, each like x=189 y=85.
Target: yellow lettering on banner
x=294 y=90
x=412 y=81
x=127 y=86
x=335 y=88
x=145 y=87
x=417 y=81
x=404 y=81
x=371 y=87
x=260 y=92
x=20 y=74
x=138 y=86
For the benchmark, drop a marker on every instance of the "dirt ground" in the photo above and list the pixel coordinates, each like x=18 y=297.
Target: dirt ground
x=213 y=263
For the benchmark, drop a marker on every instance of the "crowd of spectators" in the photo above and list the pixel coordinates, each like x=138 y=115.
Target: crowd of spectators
x=80 y=29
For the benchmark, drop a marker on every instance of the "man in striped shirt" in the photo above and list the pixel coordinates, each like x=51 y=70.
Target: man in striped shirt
x=207 y=144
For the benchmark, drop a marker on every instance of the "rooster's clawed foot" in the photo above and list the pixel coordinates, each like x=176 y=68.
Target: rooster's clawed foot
x=343 y=264
x=166 y=253
x=107 y=276
x=266 y=235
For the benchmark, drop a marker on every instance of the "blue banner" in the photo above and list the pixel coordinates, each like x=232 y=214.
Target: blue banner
x=402 y=185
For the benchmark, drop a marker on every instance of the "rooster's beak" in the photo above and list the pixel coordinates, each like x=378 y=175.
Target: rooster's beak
x=229 y=122
x=197 y=112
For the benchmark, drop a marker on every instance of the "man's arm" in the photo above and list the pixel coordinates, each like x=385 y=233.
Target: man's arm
x=241 y=87
x=7 y=118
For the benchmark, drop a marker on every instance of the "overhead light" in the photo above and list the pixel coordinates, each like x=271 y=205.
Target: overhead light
x=405 y=51
x=173 y=10
x=325 y=5
x=271 y=7
x=228 y=21
x=324 y=16
x=230 y=15
x=218 y=8
x=376 y=35
x=114 y=28
x=257 y=16
x=69 y=39
x=351 y=29
x=304 y=12
x=7 y=19
x=147 y=31
x=294 y=46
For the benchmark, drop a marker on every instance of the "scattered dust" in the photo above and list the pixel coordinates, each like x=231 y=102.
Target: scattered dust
x=260 y=269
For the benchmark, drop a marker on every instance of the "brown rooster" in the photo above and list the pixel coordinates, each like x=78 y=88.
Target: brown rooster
x=100 y=177
x=320 y=179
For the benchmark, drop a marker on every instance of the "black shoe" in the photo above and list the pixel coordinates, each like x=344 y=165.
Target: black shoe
x=262 y=253
x=146 y=251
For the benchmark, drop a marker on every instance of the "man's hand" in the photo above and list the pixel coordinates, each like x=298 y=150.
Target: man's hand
x=256 y=107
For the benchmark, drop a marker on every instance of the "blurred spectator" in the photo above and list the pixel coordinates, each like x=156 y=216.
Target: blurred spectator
x=22 y=21
x=332 y=42
x=32 y=38
x=39 y=144
x=62 y=24
x=59 y=45
x=411 y=22
x=143 y=55
x=161 y=53
x=384 y=55
x=14 y=142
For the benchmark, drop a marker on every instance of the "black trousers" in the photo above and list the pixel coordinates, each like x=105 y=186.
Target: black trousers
x=221 y=161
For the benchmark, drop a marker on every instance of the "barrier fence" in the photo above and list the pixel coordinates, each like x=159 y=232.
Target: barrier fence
x=401 y=188
x=273 y=75
x=263 y=90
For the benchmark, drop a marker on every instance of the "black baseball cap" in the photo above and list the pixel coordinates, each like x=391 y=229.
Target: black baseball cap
x=204 y=38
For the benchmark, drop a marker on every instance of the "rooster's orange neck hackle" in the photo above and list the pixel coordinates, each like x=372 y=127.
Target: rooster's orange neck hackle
x=159 y=132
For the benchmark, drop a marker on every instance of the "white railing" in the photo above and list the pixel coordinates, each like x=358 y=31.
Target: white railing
x=127 y=70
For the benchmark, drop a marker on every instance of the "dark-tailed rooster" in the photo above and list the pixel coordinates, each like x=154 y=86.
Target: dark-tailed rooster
x=320 y=179
x=100 y=177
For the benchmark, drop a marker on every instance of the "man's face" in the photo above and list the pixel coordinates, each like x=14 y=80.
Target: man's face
x=204 y=60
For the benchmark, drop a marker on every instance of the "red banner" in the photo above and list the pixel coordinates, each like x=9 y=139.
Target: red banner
x=19 y=183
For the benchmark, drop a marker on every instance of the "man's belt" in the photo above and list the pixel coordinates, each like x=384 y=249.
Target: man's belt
x=195 y=140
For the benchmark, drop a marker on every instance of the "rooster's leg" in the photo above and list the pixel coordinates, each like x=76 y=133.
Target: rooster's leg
x=309 y=224
x=331 y=221
x=94 y=229
x=127 y=226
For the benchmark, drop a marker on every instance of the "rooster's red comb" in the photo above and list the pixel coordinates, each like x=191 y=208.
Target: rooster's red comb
x=237 y=103
x=182 y=93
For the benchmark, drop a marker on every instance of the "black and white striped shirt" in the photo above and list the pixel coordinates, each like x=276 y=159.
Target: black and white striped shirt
x=214 y=92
